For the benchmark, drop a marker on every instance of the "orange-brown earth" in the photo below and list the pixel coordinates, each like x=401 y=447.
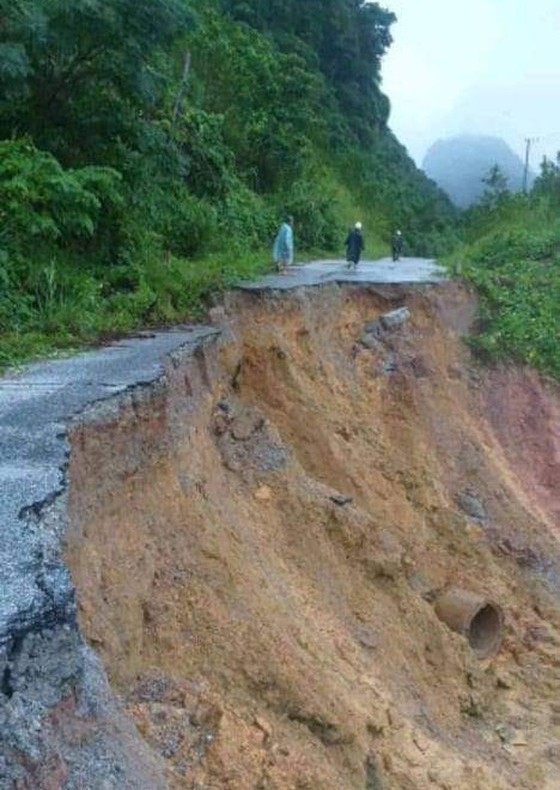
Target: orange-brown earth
x=264 y=636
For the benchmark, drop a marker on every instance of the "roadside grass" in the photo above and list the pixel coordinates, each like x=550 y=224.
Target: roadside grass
x=515 y=267
x=75 y=307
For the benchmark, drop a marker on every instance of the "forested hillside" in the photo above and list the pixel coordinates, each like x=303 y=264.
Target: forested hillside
x=148 y=150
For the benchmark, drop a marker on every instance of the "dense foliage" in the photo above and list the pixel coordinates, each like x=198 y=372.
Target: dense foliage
x=513 y=257
x=149 y=148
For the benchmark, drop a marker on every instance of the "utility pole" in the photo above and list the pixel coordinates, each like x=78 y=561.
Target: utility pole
x=528 y=142
x=526 y=170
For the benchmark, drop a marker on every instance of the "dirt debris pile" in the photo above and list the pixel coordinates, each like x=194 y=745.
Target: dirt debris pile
x=258 y=544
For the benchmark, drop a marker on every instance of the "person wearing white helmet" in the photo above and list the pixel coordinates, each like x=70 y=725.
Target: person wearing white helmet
x=354 y=245
x=397 y=245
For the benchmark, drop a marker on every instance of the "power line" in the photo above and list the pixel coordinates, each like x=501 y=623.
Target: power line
x=546 y=136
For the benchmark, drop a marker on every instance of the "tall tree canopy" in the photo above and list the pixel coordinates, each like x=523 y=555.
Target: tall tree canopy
x=346 y=39
x=77 y=74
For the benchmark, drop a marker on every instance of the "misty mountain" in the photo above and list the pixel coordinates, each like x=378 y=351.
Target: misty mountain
x=458 y=165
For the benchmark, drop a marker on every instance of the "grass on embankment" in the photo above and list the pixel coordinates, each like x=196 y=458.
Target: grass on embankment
x=516 y=270
x=69 y=307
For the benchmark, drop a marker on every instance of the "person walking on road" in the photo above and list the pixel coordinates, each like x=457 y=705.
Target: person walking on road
x=354 y=245
x=283 y=250
x=397 y=245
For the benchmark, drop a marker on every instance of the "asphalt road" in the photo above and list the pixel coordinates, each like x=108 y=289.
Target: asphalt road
x=36 y=407
x=382 y=271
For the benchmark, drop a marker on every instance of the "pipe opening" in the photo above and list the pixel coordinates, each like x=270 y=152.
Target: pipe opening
x=476 y=618
x=485 y=631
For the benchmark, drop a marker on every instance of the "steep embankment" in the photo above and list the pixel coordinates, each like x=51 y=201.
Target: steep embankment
x=259 y=540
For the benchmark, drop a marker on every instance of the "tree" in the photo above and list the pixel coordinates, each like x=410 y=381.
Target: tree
x=77 y=76
x=547 y=184
x=496 y=192
x=271 y=103
x=43 y=205
x=346 y=39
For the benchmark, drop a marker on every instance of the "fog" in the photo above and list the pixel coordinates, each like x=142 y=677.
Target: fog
x=487 y=67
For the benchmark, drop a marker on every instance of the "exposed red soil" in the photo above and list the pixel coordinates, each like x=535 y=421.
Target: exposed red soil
x=266 y=637
x=525 y=414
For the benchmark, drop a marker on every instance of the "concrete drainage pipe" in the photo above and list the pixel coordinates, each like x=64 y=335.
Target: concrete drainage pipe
x=479 y=620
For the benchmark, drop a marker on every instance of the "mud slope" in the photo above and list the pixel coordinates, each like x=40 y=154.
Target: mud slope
x=258 y=543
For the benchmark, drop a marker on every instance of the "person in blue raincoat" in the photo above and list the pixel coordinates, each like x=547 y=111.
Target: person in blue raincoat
x=283 y=250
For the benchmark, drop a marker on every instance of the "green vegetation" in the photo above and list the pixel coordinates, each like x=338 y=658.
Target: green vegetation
x=148 y=150
x=513 y=258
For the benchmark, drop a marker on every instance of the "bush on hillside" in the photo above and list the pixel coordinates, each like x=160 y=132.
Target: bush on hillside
x=517 y=273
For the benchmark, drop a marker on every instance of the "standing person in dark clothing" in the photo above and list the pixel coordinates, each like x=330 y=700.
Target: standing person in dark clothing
x=397 y=245
x=354 y=245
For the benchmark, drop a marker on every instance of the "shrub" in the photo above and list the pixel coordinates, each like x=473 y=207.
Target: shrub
x=42 y=205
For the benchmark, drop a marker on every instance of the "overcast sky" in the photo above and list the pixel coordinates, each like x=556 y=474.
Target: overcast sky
x=484 y=67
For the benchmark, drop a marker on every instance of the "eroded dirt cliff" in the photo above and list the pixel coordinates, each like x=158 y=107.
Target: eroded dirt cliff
x=258 y=542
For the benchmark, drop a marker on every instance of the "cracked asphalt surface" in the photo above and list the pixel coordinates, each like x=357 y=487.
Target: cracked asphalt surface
x=383 y=271
x=36 y=407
